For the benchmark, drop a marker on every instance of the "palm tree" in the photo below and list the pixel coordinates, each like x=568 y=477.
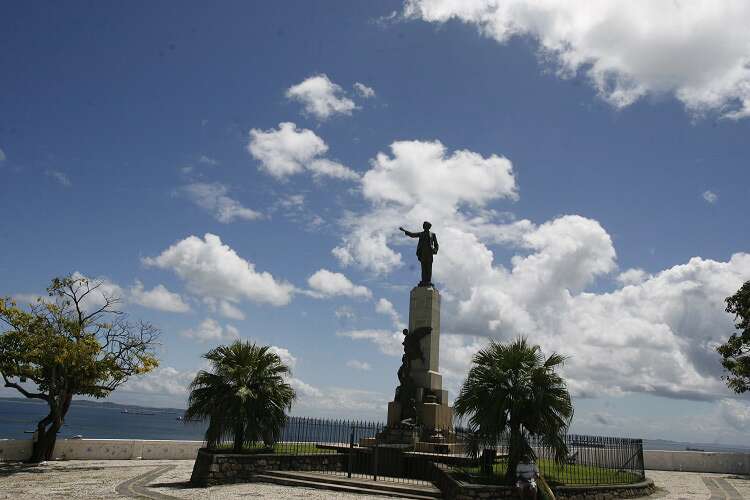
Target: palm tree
x=244 y=396
x=512 y=388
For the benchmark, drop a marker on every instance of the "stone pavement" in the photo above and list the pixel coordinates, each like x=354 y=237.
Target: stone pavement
x=694 y=485
x=167 y=480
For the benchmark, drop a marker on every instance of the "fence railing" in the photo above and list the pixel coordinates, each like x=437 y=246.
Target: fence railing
x=590 y=460
x=362 y=449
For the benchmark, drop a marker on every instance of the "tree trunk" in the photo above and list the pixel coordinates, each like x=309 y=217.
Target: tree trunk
x=514 y=453
x=239 y=438
x=46 y=437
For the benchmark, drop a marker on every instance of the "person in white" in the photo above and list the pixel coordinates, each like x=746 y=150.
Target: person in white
x=526 y=477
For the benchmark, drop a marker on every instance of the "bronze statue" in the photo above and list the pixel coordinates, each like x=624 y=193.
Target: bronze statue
x=406 y=390
x=426 y=248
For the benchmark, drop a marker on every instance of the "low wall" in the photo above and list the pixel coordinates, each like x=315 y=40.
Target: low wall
x=104 y=449
x=697 y=461
x=212 y=468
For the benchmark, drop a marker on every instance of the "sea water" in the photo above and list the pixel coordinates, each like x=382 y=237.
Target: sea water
x=18 y=419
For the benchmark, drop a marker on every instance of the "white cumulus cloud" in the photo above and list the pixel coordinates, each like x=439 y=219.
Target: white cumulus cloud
x=650 y=333
x=326 y=283
x=420 y=181
x=158 y=298
x=212 y=269
x=290 y=150
x=321 y=98
x=697 y=51
x=209 y=330
x=286 y=357
x=229 y=310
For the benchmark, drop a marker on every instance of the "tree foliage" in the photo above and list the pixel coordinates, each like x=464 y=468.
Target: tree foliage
x=735 y=352
x=75 y=343
x=511 y=388
x=244 y=397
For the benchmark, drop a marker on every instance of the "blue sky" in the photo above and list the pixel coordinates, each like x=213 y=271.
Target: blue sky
x=595 y=206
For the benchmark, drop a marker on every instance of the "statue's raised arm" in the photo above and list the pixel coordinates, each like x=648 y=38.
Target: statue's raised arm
x=426 y=248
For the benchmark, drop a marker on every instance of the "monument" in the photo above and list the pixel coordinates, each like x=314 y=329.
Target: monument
x=420 y=401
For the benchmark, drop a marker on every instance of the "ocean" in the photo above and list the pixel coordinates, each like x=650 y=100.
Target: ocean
x=114 y=421
x=97 y=420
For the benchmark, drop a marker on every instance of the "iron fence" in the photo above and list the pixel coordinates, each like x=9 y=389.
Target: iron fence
x=362 y=449
x=590 y=460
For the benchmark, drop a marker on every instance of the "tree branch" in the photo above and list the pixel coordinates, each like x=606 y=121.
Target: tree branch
x=23 y=391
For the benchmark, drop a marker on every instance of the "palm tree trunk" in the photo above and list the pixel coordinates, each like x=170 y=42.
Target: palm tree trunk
x=514 y=452
x=239 y=438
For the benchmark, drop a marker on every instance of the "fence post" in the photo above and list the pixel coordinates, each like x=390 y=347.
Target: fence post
x=375 y=459
x=351 y=453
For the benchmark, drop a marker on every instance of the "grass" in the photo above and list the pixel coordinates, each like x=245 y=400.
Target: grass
x=557 y=475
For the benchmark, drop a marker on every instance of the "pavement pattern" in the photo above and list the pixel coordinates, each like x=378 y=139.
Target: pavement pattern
x=168 y=480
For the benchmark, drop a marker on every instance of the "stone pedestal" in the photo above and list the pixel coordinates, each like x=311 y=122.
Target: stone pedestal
x=431 y=400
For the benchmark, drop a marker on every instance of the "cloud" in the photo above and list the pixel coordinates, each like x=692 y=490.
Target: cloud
x=420 y=181
x=158 y=298
x=710 y=197
x=286 y=357
x=736 y=414
x=633 y=277
x=649 y=333
x=387 y=341
x=339 y=402
x=294 y=208
x=627 y=50
x=325 y=283
x=228 y=310
x=207 y=160
x=211 y=331
x=345 y=312
x=321 y=97
x=423 y=173
x=213 y=198
x=164 y=380
x=60 y=177
x=364 y=91
x=213 y=269
x=106 y=288
x=2 y=155
x=327 y=168
x=384 y=306
x=359 y=365
x=289 y=150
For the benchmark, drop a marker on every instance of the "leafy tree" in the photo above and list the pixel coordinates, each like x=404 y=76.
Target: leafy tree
x=735 y=352
x=244 y=397
x=76 y=343
x=512 y=388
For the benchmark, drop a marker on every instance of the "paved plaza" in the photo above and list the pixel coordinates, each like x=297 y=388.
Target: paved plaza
x=167 y=479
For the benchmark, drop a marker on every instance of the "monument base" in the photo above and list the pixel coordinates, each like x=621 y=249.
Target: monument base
x=432 y=416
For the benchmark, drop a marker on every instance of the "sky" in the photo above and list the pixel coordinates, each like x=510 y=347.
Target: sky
x=241 y=172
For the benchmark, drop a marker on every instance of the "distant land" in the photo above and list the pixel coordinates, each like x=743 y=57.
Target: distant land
x=100 y=404
x=104 y=419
